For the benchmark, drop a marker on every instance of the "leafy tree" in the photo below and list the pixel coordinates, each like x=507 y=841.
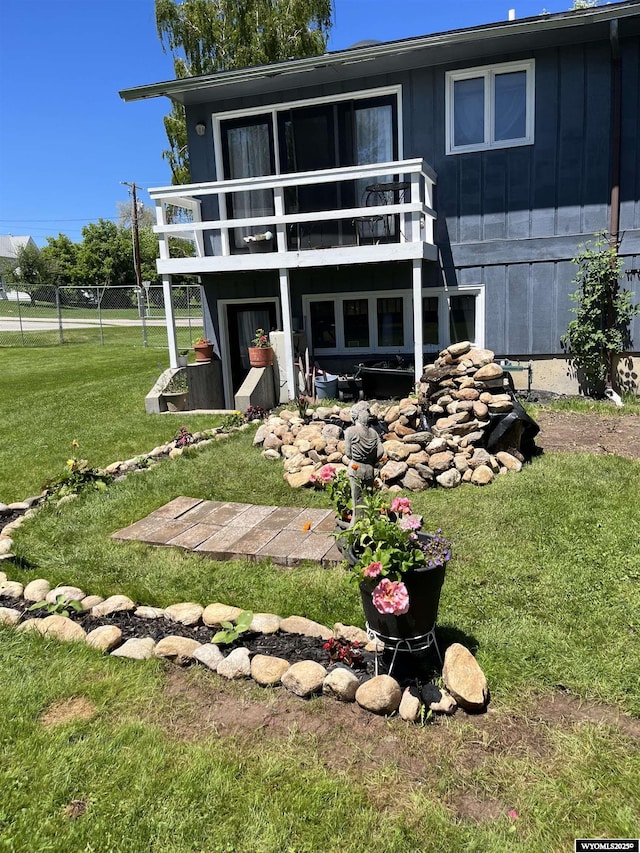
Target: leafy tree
x=61 y=257
x=601 y=329
x=105 y=258
x=205 y=36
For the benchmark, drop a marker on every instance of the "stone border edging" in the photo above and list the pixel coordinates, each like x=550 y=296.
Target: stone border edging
x=143 y=462
x=379 y=694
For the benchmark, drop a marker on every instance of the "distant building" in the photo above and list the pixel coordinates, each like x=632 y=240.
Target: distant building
x=9 y=248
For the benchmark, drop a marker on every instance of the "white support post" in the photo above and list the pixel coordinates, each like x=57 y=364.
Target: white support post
x=285 y=302
x=417 y=318
x=415 y=218
x=170 y=321
x=278 y=207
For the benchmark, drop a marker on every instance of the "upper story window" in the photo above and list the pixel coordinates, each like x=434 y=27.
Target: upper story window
x=490 y=107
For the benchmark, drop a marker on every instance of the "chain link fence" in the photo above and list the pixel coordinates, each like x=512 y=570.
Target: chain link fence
x=43 y=315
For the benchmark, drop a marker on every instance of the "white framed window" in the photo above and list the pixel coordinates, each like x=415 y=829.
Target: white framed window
x=382 y=322
x=491 y=106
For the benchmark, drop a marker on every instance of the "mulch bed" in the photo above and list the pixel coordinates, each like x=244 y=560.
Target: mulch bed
x=408 y=670
x=291 y=647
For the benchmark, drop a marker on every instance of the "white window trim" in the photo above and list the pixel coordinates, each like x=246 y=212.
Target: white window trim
x=273 y=109
x=489 y=72
x=443 y=295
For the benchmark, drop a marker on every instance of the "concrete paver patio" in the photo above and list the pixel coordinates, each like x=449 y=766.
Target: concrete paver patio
x=227 y=531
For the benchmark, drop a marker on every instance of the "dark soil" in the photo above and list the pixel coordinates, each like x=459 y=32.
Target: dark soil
x=291 y=647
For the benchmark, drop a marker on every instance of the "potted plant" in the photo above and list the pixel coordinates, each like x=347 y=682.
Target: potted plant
x=203 y=349
x=261 y=351
x=176 y=392
x=398 y=567
x=182 y=358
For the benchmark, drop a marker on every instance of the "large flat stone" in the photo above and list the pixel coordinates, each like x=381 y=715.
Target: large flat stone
x=218 y=546
x=282 y=545
x=312 y=517
x=279 y=519
x=314 y=547
x=201 y=511
x=249 y=544
x=168 y=530
x=194 y=536
x=139 y=529
x=227 y=513
x=176 y=507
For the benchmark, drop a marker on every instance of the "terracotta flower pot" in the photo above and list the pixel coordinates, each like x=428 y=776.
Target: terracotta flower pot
x=203 y=351
x=260 y=356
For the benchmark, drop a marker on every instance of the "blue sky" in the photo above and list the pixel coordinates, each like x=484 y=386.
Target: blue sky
x=66 y=137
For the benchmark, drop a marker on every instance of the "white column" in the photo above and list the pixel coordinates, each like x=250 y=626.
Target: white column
x=285 y=302
x=170 y=321
x=417 y=317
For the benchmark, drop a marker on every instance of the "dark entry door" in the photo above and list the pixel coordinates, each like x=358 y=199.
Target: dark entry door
x=242 y=322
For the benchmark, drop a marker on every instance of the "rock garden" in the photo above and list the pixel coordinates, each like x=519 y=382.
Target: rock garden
x=464 y=426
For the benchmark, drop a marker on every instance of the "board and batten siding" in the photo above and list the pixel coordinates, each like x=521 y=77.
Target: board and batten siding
x=512 y=219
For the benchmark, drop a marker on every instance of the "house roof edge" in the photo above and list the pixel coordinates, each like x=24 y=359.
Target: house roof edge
x=175 y=89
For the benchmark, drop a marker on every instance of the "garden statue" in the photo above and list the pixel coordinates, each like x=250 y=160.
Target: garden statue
x=363 y=447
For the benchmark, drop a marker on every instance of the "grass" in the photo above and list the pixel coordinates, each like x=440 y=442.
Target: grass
x=93 y=394
x=544 y=588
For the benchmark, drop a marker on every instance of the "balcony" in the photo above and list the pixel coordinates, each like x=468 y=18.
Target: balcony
x=311 y=215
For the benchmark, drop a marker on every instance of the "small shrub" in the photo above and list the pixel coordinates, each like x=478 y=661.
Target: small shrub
x=76 y=477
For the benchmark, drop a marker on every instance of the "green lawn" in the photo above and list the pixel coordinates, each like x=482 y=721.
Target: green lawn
x=95 y=394
x=544 y=587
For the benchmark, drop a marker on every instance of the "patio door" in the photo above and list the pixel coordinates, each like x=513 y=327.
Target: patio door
x=242 y=321
x=247 y=151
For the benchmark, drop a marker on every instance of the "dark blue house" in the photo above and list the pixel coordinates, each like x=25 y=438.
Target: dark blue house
x=392 y=198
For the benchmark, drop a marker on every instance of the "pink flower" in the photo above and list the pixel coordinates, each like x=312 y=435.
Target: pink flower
x=513 y=814
x=401 y=505
x=372 y=570
x=410 y=522
x=327 y=473
x=391 y=597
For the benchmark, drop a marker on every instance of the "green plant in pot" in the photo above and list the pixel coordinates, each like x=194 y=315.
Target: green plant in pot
x=176 y=392
x=398 y=567
x=260 y=351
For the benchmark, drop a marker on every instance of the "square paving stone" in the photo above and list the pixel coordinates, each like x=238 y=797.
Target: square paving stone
x=226 y=513
x=195 y=535
x=328 y=525
x=279 y=519
x=249 y=544
x=168 y=530
x=217 y=547
x=253 y=515
x=282 y=545
x=176 y=507
x=139 y=529
x=309 y=516
x=201 y=511
x=333 y=557
x=314 y=547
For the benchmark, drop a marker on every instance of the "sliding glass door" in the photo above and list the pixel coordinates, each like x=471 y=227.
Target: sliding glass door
x=247 y=150
x=310 y=138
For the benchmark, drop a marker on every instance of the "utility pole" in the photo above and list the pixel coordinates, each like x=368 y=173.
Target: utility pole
x=135 y=233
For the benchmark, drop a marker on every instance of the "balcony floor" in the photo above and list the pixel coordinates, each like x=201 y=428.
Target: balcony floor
x=339 y=256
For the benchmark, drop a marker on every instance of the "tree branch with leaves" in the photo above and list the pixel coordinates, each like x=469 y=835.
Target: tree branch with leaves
x=205 y=36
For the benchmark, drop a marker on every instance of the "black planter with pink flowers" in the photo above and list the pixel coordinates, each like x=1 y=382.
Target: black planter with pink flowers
x=424 y=586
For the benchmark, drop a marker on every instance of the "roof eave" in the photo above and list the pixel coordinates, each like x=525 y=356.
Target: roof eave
x=176 y=89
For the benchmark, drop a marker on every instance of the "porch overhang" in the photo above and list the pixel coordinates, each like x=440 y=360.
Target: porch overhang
x=339 y=256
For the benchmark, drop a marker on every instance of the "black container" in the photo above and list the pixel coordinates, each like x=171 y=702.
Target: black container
x=424 y=586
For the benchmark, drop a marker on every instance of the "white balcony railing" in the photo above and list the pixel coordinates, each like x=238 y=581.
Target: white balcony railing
x=391 y=224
